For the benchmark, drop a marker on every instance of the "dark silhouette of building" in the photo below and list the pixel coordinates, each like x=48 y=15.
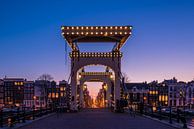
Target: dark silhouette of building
x=1 y=93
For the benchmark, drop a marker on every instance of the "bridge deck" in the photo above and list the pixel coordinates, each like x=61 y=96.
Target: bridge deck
x=95 y=119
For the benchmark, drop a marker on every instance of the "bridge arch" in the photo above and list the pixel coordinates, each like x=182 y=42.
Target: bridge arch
x=106 y=77
x=80 y=62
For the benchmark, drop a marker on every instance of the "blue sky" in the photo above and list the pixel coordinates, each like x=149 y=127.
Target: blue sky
x=161 y=46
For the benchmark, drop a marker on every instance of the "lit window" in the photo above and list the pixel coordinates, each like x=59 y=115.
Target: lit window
x=57 y=95
x=62 y=94
x=61 y=88
x=53 y=95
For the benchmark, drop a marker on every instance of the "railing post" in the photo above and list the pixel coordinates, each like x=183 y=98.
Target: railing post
x=24 y=114
x=33 y=112
x=40 y=111
x=178 y=115
x=170 y=117
x=1 y=118
x=18 y=115
x=11 y=120
x=160 y=113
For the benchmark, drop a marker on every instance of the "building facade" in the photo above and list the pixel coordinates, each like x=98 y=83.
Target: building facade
x=13 y=92
x=41 y=93
x=190 y=95
x=53 y=94
x=176 y=93
x=137 y=93
x=64 y=94
x=1 y=93
x=29 y=97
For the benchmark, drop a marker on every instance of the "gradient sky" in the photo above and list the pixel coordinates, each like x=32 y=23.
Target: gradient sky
x=161 y=46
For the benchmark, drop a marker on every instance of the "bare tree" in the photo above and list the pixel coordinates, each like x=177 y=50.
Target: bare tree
x=126 y=78
x=45 y=78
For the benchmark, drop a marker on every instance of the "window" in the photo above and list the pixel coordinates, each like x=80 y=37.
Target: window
x=170 y=88
x=174 y=102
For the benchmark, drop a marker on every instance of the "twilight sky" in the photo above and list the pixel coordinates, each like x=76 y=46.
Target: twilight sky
x=161 y=46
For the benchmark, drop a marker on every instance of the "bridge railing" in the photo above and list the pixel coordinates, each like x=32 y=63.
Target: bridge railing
x=168 y=116
x=11 y=118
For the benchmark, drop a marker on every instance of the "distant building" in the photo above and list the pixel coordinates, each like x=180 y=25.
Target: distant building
x=41 y=93
x=13 y=92
x=137 y=93
x=29 y=97
x=53 y=94
x=163 y=95
x=100 y=99
x=153 y=96
x=1 y=93
x=190 y=95
x=176 y=93
x=64 y=93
